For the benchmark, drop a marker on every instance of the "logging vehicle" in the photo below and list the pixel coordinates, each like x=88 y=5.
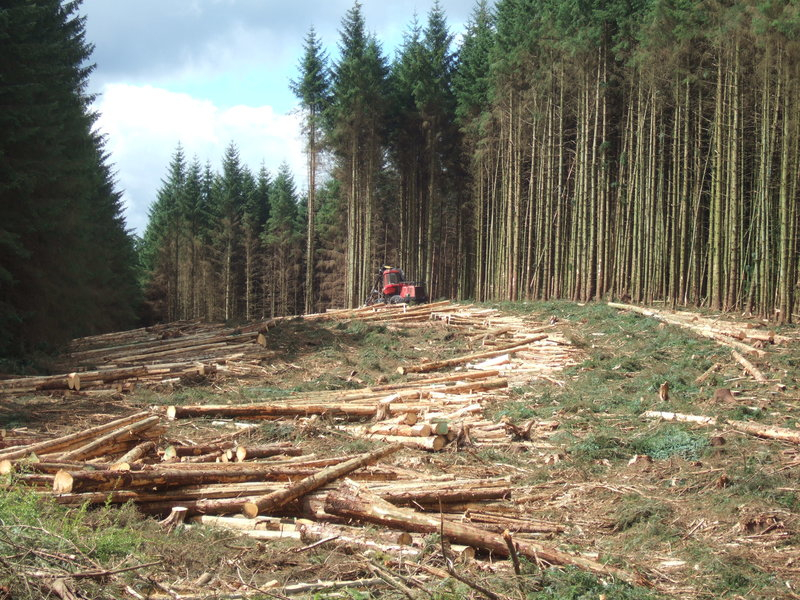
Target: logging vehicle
x=391 y=286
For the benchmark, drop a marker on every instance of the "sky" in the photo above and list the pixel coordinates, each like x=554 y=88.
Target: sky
x=205 y=73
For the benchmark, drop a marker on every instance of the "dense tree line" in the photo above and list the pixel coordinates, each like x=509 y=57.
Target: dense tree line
x=639 y=149
x=644 y=150
x=66 y=260
x=223 y=245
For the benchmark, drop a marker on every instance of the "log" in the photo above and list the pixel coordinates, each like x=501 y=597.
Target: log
x=266 y=411
x=749 y=367
x=101 y=444
x=218 y=456
x=672 y=416
x=74 y=440
x=123 y=463
x=203 y=474
x=710 y=371
x=460 y=360
x=354 y=502
x=725 y=340
x=48 y=467
x=23 y=385
x=172 y=451
x=77 y=379
x=435 y=380
x=435 y=494
x=271 y=411
x=770 y=432
x=161 y=501
x=287 y=468
x=315 y=481
x=430 y=443
x=396 y=429
x=253 y=452
x=459 y=495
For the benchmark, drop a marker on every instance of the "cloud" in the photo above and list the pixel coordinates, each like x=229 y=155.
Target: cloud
x=144 y=124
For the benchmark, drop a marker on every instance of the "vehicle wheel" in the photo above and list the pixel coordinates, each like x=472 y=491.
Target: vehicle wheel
x=396 y=300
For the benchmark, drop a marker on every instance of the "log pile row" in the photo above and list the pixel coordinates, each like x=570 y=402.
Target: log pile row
x=168 y=354
x=283 y=496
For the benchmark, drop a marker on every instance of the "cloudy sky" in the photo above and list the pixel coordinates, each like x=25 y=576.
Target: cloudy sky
x=204 y=73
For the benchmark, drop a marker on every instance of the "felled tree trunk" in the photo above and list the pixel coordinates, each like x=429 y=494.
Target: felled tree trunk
x=356 y=503
x=315 y=481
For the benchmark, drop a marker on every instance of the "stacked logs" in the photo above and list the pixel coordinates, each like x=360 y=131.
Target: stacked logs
x=284 y=496
x=167 y=354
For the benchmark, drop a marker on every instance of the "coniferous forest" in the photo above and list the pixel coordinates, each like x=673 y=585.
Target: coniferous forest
x=646 y=150
x=643 y=150
x=67 y=263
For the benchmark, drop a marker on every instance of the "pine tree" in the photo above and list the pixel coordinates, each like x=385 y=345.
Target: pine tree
x=228 y=201
x=161 y=247
x=355 y=125
x=60 y=207
x=312 y=90
x=283 y=238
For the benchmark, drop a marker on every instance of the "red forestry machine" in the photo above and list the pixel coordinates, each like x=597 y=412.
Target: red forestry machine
x=391 y=286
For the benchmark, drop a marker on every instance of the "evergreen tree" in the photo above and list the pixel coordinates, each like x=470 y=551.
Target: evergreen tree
x=471 y=79
x=312 y=90
x=161 y=247
x=283 y=238
x=60 y=207
x=356 y=128
x=228 y=201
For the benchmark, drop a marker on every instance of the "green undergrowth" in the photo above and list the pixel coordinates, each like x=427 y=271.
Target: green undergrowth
x=626 y=359
x=41 y=541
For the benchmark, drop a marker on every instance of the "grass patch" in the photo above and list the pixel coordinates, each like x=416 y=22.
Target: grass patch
x=670 y=440
x=599 y=447
x=636 y=510
x=572 y=584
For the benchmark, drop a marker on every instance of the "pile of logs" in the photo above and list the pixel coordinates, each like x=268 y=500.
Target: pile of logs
x=283 y=493
x=167 y=354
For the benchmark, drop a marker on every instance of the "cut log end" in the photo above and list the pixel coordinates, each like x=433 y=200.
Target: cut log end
x=74 y=382
x=171 y=412
x=250 y=510
x=62 y=483
x=401 y=370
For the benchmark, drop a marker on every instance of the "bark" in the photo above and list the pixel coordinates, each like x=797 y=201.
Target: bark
x=309 y=484
x=74 y=440
x=356 y=503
